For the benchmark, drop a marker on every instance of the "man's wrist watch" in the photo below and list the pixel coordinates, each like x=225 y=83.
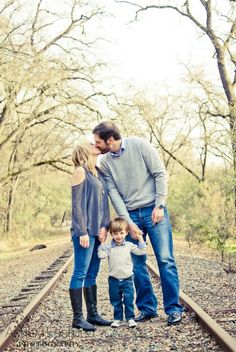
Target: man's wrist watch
x=161 y=206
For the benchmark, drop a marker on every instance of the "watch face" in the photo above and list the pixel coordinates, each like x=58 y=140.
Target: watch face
x=161 y=206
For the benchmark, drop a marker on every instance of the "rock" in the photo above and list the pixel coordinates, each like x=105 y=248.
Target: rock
x=38 y=246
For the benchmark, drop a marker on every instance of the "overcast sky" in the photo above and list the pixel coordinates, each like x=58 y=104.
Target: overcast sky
x=153 y=49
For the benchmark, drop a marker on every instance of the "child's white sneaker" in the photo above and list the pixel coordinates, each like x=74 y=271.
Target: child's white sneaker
x=116 y=323
x=132 y=323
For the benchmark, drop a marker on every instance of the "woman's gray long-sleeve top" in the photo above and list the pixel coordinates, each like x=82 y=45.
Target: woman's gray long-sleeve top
x=90 y=208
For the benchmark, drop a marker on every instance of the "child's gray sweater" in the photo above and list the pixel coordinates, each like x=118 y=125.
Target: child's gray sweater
x=119 y=257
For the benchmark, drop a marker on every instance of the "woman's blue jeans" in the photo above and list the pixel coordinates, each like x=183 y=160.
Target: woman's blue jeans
x=160 y=236
x=86 y=263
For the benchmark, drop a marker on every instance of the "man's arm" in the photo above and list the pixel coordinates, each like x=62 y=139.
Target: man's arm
x=114 y=194
x=117 y=200
x=157 y=170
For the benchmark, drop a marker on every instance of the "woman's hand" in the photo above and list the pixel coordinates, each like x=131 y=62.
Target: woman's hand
x=84 y=241
x=102 y=235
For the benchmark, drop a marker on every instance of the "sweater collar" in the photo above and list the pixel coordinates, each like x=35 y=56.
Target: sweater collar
x=122 y=148
x=113 y=244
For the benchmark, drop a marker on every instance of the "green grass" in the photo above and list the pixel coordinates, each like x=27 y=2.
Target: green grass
x=230 y=247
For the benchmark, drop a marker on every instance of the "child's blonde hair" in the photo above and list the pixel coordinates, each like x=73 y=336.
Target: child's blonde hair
x=118 y=224
x=81 y=155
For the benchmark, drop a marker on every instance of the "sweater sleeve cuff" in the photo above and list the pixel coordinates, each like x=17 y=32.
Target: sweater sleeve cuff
x=80 y=233
x=106 y=226
x=142 y=245
x=160 y=201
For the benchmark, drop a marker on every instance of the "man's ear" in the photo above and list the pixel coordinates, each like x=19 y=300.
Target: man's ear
x=110 y=140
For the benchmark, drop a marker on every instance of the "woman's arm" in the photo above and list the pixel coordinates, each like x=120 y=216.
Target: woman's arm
x=78 y=208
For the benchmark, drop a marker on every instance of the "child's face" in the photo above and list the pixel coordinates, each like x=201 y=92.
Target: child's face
x=119 y=236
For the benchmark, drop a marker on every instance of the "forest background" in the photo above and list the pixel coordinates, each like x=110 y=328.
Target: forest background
x=58 y=79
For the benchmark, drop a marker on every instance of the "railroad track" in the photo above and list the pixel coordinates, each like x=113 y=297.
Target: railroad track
x=20 y=307
x=19 y=311
x=224 y=339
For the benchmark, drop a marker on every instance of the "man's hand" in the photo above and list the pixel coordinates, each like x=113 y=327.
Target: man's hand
x=157 y=215
x=102 y=235
x=140 y=237
x=134 y=231
x=84 y=241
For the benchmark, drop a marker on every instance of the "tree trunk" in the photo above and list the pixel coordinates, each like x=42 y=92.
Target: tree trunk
x=63 y=218
x=9 y=207
x=233 y=142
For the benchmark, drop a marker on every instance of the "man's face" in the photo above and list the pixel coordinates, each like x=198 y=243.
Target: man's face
x=103 y=146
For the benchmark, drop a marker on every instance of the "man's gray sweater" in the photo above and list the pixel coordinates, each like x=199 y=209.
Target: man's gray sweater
x=135 y=179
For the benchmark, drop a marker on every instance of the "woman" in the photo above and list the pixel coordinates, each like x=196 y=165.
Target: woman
x=90 y=219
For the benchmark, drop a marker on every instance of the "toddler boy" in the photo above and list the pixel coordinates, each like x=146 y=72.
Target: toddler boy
x=118 y=251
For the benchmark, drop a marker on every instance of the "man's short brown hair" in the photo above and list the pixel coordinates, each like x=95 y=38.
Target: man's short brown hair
x=107 y=129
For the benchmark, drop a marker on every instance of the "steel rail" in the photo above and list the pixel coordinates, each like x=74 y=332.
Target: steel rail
x=8 y=334
x=227 y=342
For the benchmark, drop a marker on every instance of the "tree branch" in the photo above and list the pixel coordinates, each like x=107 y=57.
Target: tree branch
x=51 y=162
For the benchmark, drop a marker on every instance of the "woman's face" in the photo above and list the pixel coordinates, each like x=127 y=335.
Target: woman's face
x=94 y=150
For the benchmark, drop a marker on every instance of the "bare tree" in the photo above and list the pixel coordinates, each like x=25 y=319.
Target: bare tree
x=48 y=85
x=180 y=126
x=219 y=25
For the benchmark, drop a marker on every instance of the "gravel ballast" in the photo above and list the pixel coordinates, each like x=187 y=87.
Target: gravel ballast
x=50 y=328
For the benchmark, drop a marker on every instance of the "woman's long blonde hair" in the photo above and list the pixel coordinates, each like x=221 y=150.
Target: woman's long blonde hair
x=81 y=155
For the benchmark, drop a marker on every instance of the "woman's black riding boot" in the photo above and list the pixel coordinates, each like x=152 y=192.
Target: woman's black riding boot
x=90 y=295
x=76 y=302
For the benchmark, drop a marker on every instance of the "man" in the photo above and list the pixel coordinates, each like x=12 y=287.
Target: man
x=137 y=187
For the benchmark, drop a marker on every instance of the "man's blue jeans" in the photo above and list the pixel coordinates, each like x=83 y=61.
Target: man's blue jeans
x=86 y=263
x=160 y=236
x=122 y=292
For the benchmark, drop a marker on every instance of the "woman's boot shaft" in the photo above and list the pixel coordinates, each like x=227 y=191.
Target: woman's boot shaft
x=76 y=302
x=90 y=295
